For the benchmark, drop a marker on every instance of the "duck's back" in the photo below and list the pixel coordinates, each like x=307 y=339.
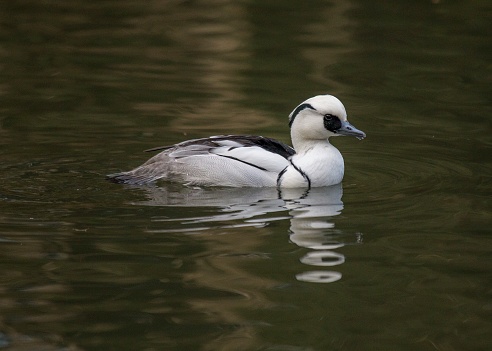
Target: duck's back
x=236 y=161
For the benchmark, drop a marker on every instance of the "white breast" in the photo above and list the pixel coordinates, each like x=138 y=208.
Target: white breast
x=321 y=165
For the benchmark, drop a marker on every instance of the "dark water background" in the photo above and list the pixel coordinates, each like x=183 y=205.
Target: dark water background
x=401 y=261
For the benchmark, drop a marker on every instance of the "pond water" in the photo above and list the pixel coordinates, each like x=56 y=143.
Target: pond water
x=397 y=257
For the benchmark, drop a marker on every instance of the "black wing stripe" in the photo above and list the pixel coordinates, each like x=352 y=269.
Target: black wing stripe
x=279 y=178
x=248 y=163
x=304 y=175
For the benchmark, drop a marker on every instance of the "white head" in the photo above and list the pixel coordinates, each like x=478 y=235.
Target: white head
x=319 y=118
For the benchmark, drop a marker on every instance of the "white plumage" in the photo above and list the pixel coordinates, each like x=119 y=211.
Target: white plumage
x=255 y=161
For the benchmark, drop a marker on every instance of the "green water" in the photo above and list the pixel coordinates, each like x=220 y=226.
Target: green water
x=398 y=257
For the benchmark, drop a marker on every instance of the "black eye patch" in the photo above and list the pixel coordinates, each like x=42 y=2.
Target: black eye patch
x=332 y=123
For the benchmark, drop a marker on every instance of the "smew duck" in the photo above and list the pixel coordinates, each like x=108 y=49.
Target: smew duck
x=256 y=161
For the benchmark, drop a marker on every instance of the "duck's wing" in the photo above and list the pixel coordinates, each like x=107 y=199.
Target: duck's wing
x=267 y=144
x=262 y=153
x=189 y=157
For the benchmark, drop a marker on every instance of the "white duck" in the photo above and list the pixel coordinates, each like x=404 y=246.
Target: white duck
x=255 y=161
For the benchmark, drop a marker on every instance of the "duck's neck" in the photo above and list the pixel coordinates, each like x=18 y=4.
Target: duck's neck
x=303 y=145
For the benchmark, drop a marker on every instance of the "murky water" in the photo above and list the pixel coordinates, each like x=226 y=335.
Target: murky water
x=395 y=258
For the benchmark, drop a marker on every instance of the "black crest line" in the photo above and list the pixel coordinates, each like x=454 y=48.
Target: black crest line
x=299 y=109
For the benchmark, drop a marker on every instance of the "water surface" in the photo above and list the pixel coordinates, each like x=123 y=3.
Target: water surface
x=397 y=257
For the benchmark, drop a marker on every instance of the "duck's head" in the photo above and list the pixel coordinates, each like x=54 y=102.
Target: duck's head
x=321 y=117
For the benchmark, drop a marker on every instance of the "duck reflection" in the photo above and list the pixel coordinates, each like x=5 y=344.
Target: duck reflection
x=310 y=213
x=311 y=227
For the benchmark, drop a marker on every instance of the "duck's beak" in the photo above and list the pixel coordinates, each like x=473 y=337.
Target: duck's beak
x=349 y=130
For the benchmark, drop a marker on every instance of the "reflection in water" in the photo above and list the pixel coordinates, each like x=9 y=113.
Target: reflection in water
x=311 y=228
x=309 y=212
x=80 y=78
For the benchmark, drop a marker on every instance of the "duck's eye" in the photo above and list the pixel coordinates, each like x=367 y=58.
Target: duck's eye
x=332 y=123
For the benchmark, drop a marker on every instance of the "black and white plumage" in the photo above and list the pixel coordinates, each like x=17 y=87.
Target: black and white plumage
x=256 y=161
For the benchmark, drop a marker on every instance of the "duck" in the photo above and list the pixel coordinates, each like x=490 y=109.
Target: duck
x=257 y=161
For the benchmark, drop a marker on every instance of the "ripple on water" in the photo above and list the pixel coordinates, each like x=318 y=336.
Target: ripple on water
x=409 y=168
x=425 y=183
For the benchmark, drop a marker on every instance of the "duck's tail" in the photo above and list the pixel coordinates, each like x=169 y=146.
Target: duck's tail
x=138 y=176
x=125 y=178
x=158 y=167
